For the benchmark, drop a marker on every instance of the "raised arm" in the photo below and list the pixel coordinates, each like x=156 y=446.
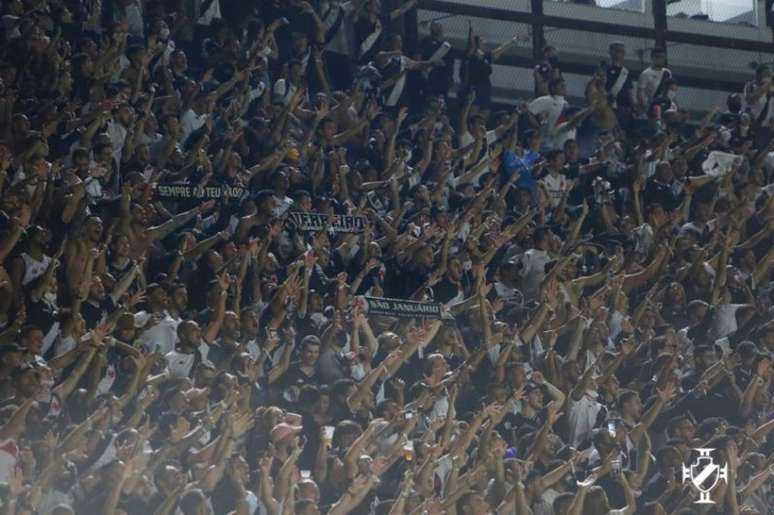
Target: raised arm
x=160 y=232
x=663 y=397
x=68 y=386
x=213 y=328
x=516 y=498
x=500 y=50
x=14 y=427
x=403 y=9
x=363 y=389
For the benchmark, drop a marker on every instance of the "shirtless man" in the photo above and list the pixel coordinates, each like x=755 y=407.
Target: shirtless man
x=78 y=250
x=135 y=221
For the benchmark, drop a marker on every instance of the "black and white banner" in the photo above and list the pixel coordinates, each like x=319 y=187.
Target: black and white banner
x=402 y=308
x=192 y=191
x=318 y=222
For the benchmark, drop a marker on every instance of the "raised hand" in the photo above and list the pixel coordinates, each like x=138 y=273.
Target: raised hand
x=242 y=423
x=372 y=264
x=223 y=280
x=323 y=110
x=99 y=333
x=637 y=184
x=588 y=482
x=762 y=369
x=667 y=393
x=518 y=395
x=554 y=413
x=393 y=357
x=402 y=115
x=379 y=465
x=206 y=206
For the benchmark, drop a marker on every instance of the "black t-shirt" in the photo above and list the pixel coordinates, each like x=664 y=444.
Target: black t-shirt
x=519 y=420
x=658 y=193
x=93 y=314
x=445 y=291
x=729 y=119
x=440 y=78
x=717 y=403
x=400 y=282
x=479 y=70
x=655 y=487
x=624 y=96
x=221 y=355
x=295 y=377
x=205 y=316
x=583 y=183
x=663 y=103
x=298 y=21
x=544 y=69
x=364 y=27
x=41 y=314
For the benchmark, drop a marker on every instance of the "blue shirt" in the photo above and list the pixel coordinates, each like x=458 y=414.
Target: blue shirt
x=523 y=166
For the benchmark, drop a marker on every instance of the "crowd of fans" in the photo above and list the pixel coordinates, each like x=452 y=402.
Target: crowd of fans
x=604 y=272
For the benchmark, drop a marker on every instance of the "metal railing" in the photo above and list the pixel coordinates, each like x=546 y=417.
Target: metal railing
x=622 y=5
x=646 y=28
x=740 y=12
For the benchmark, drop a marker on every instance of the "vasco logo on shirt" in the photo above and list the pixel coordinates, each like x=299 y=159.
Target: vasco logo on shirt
x=705 y=474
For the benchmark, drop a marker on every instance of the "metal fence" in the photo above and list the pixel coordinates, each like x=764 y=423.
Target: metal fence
x=739 y=12
x=624 y=5
x=709 y=57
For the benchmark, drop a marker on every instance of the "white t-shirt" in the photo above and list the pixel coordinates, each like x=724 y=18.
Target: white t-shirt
x=134 y=19
x=616 y=321
x=282 y=207
x=189 y=122
x=555 y=185
x=643 y=239
x=533 y=270
x=724 y=321
x=106 y=383
x=341 y=40
x=467 y=138
x=648 y=82
x=551 y=107
x=282 y=92
x=161 y=337
x=64 y=345
x=117 y=134
x=505 y=292
x=756 y=108
x=440 y=409
x=253 y=349
x=442 y=470
x=51 y=499
x=582 y=418
x=179 y=364
x=9 y=453
x=33 y=268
